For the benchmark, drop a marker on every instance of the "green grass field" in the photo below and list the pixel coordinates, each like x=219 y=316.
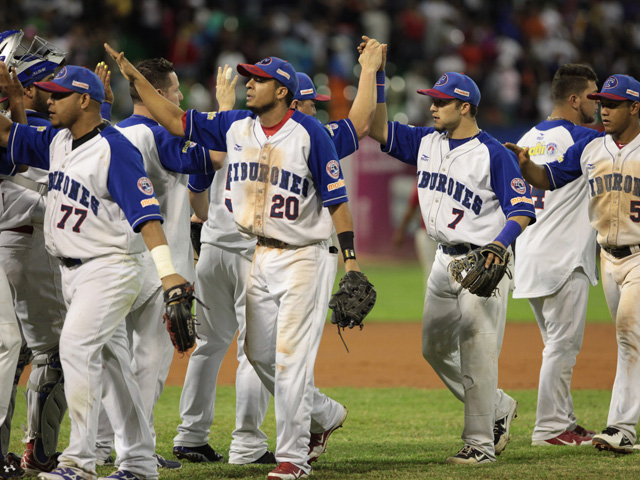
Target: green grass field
x=402 y=433
x=398 y=434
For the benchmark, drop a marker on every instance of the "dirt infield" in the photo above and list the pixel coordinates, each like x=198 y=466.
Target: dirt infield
x=389 y=355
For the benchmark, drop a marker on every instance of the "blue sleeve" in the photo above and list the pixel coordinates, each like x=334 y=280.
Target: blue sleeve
x=507 y=183
x=128 y=183
x=568 y=166
x=344 y=137
x=209 y=129
x=6 y=167
x=324 y=165
x=581 y=133
x=30 y=145
x=200 y=183
x=403 y=141
x=105 y=111
x=179 y=155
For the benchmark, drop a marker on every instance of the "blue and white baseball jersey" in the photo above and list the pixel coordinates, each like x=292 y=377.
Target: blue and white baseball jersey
x=99 y=193
x=220 y=229
x=167 y=160
x=613 y=176
x=22 y=205
x=467 y=191
x=278 y=184
x=562 y=234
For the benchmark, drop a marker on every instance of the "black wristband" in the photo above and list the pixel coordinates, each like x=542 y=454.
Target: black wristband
x=346 y=245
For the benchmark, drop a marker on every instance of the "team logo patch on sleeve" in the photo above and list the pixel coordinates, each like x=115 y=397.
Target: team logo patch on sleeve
x=335 y=185
x=552 y=148
x=519 y=186
x=517 y=200
x=187 y=145
x=145 y=186
x=333 y=169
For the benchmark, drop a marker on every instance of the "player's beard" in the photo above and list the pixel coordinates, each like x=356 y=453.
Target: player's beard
x=585 y=118
x=40 y=104
x=264 y=108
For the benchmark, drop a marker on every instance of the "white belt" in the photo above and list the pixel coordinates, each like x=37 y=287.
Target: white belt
x=40 y=188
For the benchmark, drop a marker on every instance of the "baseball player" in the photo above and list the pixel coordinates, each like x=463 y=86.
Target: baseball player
x=471 y=193
x=283 y=169
x=167 y=160
x=558 y=287
x=33 y=274
x=222 y=277
x=91 y=222
x=609 y=163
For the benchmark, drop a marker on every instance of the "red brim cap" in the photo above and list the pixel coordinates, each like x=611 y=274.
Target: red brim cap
x=610 y=96
x=432 y=92
x=247 y=69
x=322 y=98
x=52 y=87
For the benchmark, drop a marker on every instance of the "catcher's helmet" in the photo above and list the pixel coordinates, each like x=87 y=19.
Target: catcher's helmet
x=32 y=64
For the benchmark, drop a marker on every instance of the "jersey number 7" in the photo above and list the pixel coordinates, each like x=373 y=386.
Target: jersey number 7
x=68 y=210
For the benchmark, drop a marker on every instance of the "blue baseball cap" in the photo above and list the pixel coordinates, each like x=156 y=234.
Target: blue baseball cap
x=272 y=67
x=75 y=79
x=455 y=85
x=307 y=90
x=620 y=88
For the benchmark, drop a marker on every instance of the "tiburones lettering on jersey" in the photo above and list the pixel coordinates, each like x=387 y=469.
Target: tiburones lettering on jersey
x=261 y=172
x=456 y=190
x=614 y=182
x=74 y=190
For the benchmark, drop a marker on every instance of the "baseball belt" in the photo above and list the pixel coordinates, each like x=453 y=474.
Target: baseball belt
x=459 y=249
x=621 y=252
x=70 y=262
x=273 y=243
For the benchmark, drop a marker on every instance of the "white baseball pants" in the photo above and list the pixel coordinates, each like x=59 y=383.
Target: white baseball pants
x=221 y=283
x=461 y=339
x=287 y=302
x=93 y=346
x=561 y=318
x=621 y=284
x=10 y=341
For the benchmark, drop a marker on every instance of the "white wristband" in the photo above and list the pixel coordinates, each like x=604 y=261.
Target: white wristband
x=162 y=258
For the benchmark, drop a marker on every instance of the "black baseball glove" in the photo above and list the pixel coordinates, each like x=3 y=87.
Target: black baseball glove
x=196 y=230
x=470 y=272
x=353 y=301
x=178 y=316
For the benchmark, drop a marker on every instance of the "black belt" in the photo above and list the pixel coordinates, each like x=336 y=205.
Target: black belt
x=70 y=262
x=621 y=252
x=459 y=249
x=272 y=243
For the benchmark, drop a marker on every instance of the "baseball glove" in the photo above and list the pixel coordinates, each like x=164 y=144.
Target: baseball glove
x=178 y=316
x=470 y=272
x=353 y=301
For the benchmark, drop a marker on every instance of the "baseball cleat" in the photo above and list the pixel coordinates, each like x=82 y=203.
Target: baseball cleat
x=612 y=439
x=583 y=432
x=203 y=453
x=568 y=437
x=168 y=464
x=121 y=475
x=502 y=428
x=318 y=441
x=33 y=466
x=469 y=455
x=286 y=471
x=9 y=470
x=267 y=459
x=66 y=473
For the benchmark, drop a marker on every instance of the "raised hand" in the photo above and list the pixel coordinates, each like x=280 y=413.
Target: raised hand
x=103 y=72
x=128 y=70
x=226 y=89
x=9 y=83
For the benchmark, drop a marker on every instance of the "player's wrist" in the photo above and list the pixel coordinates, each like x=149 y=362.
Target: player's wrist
x=380 y=85
x=509 y=233
x=162 y=259
x=347 y=246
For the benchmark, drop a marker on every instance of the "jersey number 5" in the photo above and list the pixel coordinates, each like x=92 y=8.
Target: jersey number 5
x=67 y=211
x=635 y=209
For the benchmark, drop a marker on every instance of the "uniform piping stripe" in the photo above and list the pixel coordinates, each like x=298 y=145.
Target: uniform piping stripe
x=550 y=175
x=353 y=134
x=146 y=218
